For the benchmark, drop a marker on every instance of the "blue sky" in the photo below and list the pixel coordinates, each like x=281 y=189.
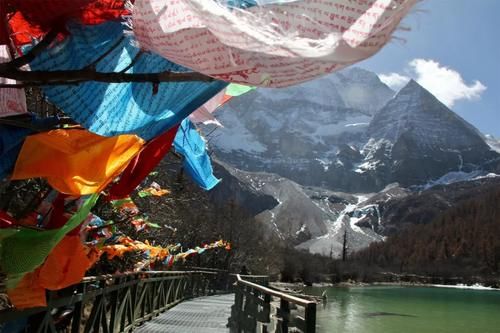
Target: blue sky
x=453 y=51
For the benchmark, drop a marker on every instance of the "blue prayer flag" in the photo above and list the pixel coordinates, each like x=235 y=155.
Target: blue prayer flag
x=118 y=108
x=191 y=145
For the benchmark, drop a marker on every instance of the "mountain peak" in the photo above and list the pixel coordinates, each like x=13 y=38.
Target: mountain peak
x=358 y=74
x=416 y=116
x=420 y=94
x=412 y=87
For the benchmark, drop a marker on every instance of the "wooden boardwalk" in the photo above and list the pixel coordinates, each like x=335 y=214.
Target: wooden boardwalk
x=207 y=314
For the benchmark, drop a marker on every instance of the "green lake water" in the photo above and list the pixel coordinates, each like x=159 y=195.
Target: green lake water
x=408 y=310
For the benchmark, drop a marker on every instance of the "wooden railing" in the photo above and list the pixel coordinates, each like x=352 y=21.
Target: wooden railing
x=115 y=303
x=259 y=308
x=227 y=281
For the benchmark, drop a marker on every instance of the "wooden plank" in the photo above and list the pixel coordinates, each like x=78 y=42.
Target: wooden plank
x=206 y=314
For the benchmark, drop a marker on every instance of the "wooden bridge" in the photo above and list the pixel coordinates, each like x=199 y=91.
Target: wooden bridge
x=180 y=302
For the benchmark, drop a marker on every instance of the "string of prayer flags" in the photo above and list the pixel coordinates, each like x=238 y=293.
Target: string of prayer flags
x=139 y=224
x=267 y=44
x=126 y=244
x=126 y=206
x=96 y=231
x=158 y=253
x=199 y=250
x=154 y=189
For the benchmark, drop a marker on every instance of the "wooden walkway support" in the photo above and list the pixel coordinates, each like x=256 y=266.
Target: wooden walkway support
x=117 y=303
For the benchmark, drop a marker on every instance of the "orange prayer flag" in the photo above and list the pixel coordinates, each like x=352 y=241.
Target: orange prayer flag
x=66 y=264
x=28 y=293
x=74 y=161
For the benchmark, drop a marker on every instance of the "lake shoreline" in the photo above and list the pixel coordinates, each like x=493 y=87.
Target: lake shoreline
x=299 y=287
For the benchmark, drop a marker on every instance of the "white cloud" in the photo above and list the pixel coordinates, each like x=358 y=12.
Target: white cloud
x=443 y=82
x=394 y=80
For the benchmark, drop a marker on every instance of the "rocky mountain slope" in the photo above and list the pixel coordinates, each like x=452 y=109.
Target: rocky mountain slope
x=344 y=154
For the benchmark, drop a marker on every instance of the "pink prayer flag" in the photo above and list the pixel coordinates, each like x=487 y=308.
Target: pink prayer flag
x=275 y=45
x=204 y=114
x=12 y=100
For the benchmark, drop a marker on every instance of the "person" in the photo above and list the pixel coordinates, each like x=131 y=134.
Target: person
x=244 y=270
x=324 y=298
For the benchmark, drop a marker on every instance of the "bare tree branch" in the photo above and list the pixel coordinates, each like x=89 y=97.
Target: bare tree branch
x=11 y=70
x=38 y=78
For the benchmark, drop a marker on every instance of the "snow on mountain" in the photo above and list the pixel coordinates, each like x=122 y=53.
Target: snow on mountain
x=455 y=177
x=343 y=221
x=310 y=115
x=493 y=142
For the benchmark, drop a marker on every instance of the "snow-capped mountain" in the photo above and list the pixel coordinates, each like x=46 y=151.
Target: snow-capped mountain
x=297 y=132
x=325 y=149
x=327 y=133
x=416 y=138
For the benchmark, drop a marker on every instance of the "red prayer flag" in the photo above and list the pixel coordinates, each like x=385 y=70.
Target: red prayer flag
x=143 y=163
x=31 y=19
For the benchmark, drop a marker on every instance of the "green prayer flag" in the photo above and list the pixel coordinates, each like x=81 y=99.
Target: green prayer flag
x=24 y=250
x=153 y=225
x=237 y=89
x=143 y=194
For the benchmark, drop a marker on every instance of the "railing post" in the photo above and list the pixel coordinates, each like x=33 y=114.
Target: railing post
x=266 y=312
x=284 y=316
x=114 y=299
x=77 y=312
x=191 y=285
x=250 y=311
x=199 y=282
x=236 y=315
x=168 y=295
x=310 y=317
